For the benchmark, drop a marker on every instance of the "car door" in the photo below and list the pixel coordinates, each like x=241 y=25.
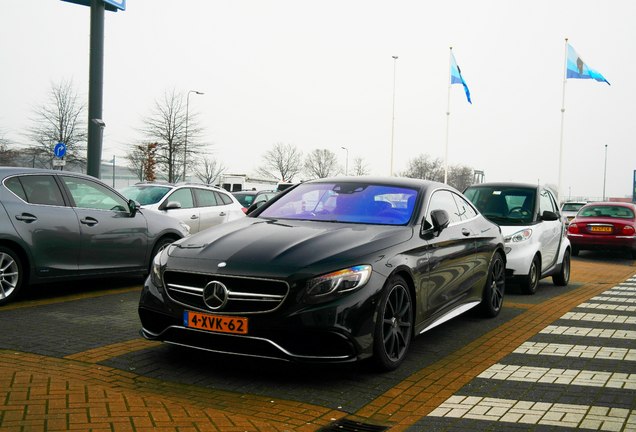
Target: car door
x=551 y=231
x=451 y=255
x=212 y=210
x=112 y=237
x=188 y=213
x=48 y=227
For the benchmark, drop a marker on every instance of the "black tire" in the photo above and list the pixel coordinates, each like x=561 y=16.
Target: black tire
x=11 y=275
x=575 y=251
x=633 y=254
x=492 y=299
x=394 y=325
x=530 y=283
x=562 y=278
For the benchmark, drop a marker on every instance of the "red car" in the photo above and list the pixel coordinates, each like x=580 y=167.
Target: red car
x=604 y=225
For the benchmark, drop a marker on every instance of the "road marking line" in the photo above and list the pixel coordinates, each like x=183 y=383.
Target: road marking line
x=537 y=413
x=625 y=288
x=604 y=306
x=560 y=376
x=583 y=316
x=579 y=351
x=589 y=332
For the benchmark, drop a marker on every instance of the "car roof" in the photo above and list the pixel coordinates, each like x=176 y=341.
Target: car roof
x=8 y=171
x=508 y=184
x=389 y=181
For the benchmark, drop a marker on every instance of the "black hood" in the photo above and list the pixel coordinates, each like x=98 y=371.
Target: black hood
x=275 y=247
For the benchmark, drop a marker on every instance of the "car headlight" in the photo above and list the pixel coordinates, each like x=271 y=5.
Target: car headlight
x=158 y=264
x=327 y=286
x=519 y=236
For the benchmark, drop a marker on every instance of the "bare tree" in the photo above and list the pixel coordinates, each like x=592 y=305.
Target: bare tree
x=141 y=160
x=166 y=125
x=58 y=120
x=208 y=169
x=322 y=163
x=360 y=167
x=282 y=161
x=8 y=156
x=460 y=176
x=423 y=167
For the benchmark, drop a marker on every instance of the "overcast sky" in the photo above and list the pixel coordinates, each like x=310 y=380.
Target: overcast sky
x=319 y=74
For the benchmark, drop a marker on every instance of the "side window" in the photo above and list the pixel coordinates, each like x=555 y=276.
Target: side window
x=222 y=198
x=14 y=185
x=42 y=189
x=546 y=202
x=91 y=195
x=466 y=211
x=205 y=198
x=443 y=200
x=183 y=197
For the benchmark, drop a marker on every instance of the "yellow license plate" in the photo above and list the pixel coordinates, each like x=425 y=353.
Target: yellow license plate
x=601 y=229
x=215 y=323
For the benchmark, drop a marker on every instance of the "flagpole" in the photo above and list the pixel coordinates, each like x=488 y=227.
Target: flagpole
x=565 y=67
x=447 y=118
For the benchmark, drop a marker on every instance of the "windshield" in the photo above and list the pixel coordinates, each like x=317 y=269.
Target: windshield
x=504 y=204
x=346 y=202
x=607 y=211
x=572 y=207
x=145 y=195
x=245 y=199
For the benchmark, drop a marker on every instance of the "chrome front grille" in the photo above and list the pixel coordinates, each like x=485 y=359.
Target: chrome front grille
x=245 y=295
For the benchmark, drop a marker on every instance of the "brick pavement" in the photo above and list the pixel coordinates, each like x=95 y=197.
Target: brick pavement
x=76 y=392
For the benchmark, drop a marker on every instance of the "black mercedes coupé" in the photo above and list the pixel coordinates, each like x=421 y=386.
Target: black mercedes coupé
x=331 y=270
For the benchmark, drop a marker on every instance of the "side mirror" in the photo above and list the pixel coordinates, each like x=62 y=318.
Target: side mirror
x=172 y=205
x=440 y=221
x=133 y=207
x=549 y=216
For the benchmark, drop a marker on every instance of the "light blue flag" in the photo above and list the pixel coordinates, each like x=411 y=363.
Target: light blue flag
x=576 y=68
x=456 y=76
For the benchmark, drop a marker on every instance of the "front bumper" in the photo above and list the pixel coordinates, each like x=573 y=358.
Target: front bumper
x=587 y=241
x=338 y=331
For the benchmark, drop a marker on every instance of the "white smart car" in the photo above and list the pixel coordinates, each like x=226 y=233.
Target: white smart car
x=535 y=238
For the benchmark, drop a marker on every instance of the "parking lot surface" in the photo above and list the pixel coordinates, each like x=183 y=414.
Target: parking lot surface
x=564 y=359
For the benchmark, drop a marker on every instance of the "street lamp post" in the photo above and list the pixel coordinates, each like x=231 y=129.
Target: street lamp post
x=393 y=114
x=346 y=160
x=185 y=142
x=605 y=172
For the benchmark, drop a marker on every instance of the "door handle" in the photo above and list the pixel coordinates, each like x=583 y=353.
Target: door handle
x=25 y=217
x=194 y=217
x=465 y=232
x=89 y=221
x=222 y=214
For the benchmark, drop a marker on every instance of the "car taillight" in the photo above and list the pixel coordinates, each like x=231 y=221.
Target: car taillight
x=573 y=228
x=628 y=230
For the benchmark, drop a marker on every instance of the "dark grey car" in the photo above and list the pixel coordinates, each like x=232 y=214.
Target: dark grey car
x=58 y=225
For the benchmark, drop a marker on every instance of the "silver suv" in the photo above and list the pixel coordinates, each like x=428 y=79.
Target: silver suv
x=200 y=206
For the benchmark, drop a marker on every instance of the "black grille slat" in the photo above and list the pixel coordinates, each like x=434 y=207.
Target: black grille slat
x=247 y=295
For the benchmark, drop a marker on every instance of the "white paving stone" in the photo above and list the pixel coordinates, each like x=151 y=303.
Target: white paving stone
x=580 y=351
x=537 y=413
x=608 y=306
x=589 y=332
x=604 y=318
x=610 y=296
x=560 y=376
